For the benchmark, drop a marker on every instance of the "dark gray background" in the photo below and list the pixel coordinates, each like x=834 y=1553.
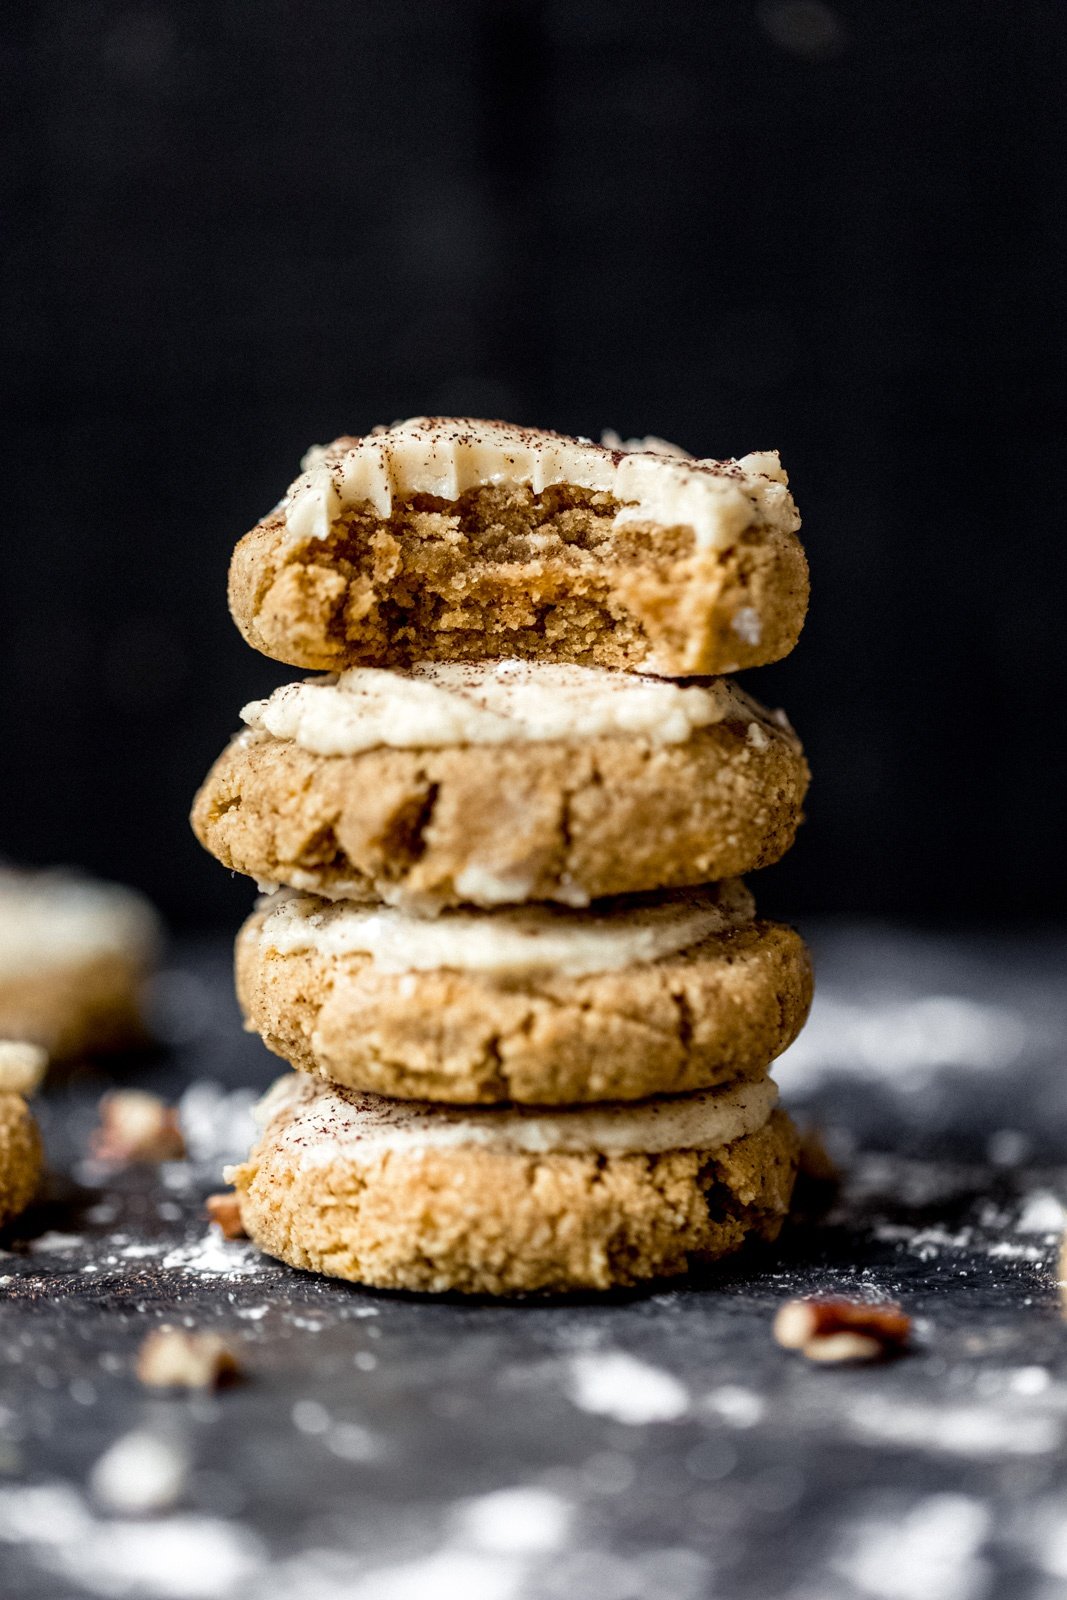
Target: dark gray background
x=237 y=226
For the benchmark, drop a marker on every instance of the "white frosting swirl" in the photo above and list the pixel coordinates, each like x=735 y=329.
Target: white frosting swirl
x=437 y=705
x=321 y=1124
x=445 y=456
x=514 y=942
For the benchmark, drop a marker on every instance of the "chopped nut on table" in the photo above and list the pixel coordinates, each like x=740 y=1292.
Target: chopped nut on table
x=172 y=1358
x=136 y=1126
x=225 y=1213
x=842 y=1330
x=22 y=1066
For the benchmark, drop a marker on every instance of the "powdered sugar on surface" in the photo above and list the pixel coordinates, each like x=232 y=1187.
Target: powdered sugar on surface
x=183 y=1557
x=613 y=1384
x=929 y=1551
x=215 y=1257
x=633 y=1446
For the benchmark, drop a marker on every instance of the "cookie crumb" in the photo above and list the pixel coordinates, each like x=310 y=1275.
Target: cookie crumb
x=224 y=1211
x=136 y=1126
x=841 y=1330
x=747 y=624
x=22 y=1066
x=170 y=1358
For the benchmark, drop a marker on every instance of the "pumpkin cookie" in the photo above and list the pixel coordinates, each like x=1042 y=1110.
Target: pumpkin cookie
x=454 y=539
x=73 y=956
x=21 y=1069
x=655 y=995
x=500 y=1201
x=502 y=782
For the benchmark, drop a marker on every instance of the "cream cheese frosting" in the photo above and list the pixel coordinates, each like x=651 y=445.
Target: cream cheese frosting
x=515 y=942
x=437 y=705
x=322 y=1123
x=446 y=456
x=55 y=920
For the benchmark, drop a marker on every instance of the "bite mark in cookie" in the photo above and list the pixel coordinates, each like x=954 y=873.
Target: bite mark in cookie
x=451 y=538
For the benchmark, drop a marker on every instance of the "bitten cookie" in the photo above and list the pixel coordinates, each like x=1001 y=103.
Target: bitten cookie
x=537 y=1004
x=502 y=782
x=21 y=1068
x=500 y=1201
x=454 y=539
x=73 y=955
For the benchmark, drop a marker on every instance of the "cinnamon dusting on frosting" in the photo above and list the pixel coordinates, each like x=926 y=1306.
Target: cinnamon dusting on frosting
x=447 y=456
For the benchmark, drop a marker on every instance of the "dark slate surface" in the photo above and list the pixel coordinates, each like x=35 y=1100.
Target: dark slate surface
x=385 y=1447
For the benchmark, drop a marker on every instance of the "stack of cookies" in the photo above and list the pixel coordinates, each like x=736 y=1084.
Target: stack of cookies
x=504 y=941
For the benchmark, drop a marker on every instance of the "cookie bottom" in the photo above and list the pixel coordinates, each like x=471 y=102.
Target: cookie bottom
x=484 y=1221
x=20 y=1156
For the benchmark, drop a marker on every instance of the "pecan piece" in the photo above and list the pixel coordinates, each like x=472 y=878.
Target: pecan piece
x=225 y=1213
x=136 y=1126
x=842 y=1330
x=172 y=1358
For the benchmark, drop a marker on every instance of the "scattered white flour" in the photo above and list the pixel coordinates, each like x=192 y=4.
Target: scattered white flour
x=514 y=1521
x=215 y=1257
x=979 y=1431
x=1004 y=1250
x=614 y=1384
x=141 y=1472
x=350 y=1441
x=1041 y=1213
x=445 y=1575
x=310 y=1416
x=927 y=1244
x=57 y=1243
x=490 y=1548
x=902 y=1043
x=1029 y=1380
x=161 y=1558
x=930 y=1552
x=138 y=1252
x=738 y=1407
x=217 y=1123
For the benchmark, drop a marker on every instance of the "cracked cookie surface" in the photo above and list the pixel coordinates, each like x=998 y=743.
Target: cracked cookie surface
x=492 y=824
x=502 y=1221
x=720 y=1010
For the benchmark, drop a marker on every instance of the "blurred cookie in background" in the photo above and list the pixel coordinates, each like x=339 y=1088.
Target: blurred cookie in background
x=74 y=954
x=22 y=1066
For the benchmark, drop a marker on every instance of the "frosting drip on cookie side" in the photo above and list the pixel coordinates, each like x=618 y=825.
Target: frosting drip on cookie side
x=446 y=456
x=322 y=1124
x=434 y=706
x=511 y=943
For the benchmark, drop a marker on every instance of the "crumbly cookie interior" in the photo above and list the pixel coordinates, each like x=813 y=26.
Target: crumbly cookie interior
x=501 y=570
